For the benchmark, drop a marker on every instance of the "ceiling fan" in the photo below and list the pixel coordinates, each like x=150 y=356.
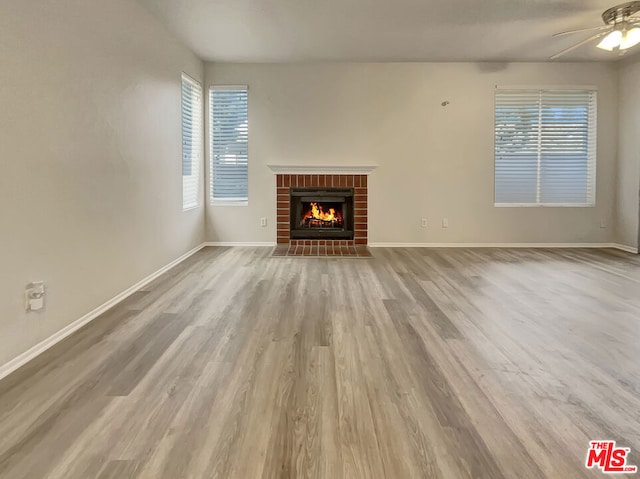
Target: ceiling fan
x=620 y=32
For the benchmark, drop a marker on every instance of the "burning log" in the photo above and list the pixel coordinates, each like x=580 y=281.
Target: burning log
x=312 y=222
x=317 y=217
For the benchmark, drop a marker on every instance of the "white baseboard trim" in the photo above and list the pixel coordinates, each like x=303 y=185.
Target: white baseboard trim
x=628 y=249
x=239 y=244
x=622 y=247
x=42 y=346
x=503 y=245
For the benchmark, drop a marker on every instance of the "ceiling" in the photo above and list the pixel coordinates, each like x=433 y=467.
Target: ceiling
x=382 y=30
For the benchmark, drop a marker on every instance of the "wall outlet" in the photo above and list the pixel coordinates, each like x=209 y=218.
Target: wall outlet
x=263 y=222
x=445 y=222
x=34 y=296
x=423 y=223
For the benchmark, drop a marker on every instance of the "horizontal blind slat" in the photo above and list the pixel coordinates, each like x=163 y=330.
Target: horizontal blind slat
x=545 y=146
x=192 y=141
x=229 y=136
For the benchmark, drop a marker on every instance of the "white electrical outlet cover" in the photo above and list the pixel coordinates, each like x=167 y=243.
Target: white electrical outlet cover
x=34 y=296
x=36 y=304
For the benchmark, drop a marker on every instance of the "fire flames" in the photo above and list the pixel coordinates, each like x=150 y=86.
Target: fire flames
x=316 y=216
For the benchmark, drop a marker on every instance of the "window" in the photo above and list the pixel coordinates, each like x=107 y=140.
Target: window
x=192 y=132
x=229 y=136
x=545 y=147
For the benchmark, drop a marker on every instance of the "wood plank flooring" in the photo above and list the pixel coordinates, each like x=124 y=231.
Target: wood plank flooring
x=418 y=363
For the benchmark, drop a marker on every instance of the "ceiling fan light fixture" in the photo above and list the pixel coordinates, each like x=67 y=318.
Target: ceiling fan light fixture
x=630 y=38
x=621 y=30
x=611 y=41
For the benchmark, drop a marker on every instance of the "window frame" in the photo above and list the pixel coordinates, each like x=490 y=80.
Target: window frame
x=213 y=201
x=592 y=141
x=186 y=78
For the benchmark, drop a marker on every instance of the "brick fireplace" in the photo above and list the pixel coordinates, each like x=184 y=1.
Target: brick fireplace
x=326 y=183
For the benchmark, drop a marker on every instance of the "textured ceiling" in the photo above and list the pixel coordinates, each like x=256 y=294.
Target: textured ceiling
x=381 y=30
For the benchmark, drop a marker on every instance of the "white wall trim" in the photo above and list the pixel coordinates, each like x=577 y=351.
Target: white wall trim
x=239 y=244
x=52 y=340
x=322 y=170
x=503 y=245
x=628 y=249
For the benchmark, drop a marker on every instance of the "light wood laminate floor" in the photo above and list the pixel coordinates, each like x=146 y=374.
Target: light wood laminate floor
x=418 y=363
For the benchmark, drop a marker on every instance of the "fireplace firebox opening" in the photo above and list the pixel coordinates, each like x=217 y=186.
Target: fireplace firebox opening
x=321 y=213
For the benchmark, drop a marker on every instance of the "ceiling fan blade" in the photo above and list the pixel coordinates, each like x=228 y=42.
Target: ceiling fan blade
x=578 y=45
x=601 y=27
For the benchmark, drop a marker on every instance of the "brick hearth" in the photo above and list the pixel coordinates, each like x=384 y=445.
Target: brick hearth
x=359 y=184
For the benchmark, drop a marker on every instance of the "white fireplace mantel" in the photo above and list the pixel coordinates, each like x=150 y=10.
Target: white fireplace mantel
x=322 y=170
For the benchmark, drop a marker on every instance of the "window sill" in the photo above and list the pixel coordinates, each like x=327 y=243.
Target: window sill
x=543 y=205
x=229 y=203
x=189 y=208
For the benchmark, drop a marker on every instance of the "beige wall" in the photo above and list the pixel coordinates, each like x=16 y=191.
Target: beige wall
x=628 y=184
x=433 y=162
x=90 y=148
x=90 y=175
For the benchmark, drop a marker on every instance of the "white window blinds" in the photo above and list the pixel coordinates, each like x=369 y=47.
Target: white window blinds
x=192 y=133
x=545 y=147
x=229 y=136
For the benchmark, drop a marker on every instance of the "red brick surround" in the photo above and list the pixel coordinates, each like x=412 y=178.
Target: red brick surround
x=357 y=182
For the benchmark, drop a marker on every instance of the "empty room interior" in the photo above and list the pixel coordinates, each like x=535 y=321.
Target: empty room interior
x=355 y=239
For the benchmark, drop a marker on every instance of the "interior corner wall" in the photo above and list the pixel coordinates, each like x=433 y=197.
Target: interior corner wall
x=433 y=161
x=90 y=158
x=628 y=172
